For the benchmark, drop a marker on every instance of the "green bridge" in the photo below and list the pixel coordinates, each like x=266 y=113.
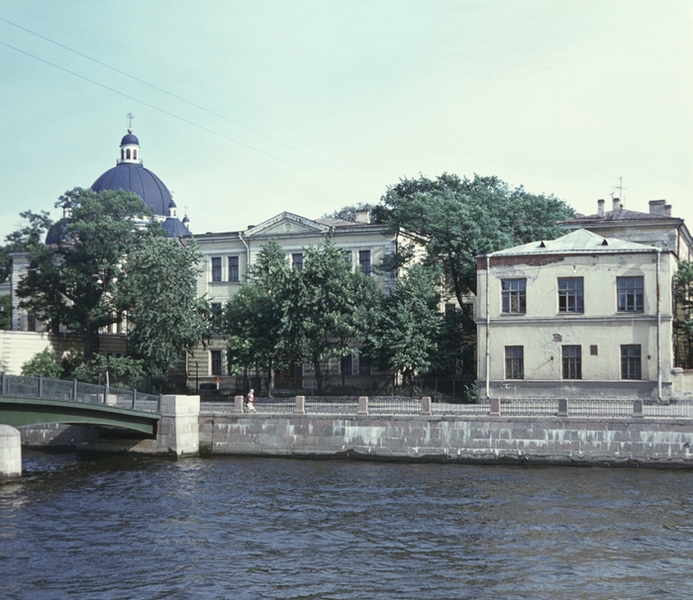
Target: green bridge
x=39 y=401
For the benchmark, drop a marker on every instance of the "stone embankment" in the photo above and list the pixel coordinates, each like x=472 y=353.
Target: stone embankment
x=480 y=438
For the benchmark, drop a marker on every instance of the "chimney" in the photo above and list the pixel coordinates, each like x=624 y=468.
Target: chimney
x=617 y=204
x=667 y=210
x=658 y=207
x=363 y=216
x=600 y=208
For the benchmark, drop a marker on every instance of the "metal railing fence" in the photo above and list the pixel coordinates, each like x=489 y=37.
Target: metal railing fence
x=75 y=391
x=526 y=407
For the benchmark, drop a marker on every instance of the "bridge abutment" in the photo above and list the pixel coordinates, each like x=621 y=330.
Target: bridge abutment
x=178 y=430
x=10 y=453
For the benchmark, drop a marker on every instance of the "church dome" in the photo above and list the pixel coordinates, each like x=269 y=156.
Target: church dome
x=130 y=138
x=135 y=178
x=130 y=175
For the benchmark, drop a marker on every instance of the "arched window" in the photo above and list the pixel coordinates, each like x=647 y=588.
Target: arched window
x=127 y=153
x=134 y=154
x=122 y=154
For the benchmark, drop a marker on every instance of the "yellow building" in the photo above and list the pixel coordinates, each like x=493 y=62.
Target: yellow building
x=581 y=316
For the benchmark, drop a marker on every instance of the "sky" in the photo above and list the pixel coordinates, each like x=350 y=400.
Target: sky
x=248 y=109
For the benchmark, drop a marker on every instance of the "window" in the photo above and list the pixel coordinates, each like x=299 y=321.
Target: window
x=233 y=268
x=630 y=362
x=631 y=297
x=364 y=366
x=297 y=261
x=514 y=362
x=570 y=295
x=216 y=268
x=594 y=350
x=514 y=296
x=572 y=362
x=347 y=365
x=215 y=356
x=216 y=316
x=365 y=261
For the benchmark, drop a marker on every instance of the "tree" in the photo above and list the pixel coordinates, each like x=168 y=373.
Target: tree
x=683 y=290
x=253 y=318
x=457 y=219
x=25 y=239
x=74 y=280
x=325 y=308
x=348 y=213
x=5 y=312
x=404 y=337
x=122 y=372
x=44 y=364
x=158 y=291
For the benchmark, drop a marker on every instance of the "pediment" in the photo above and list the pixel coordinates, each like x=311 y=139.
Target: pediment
x=286 y=224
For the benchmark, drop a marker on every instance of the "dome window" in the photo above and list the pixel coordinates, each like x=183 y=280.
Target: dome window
x=134 y=154
x=127 y=154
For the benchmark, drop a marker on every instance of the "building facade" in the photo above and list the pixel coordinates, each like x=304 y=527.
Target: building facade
x=582 y=316
x=227 y=257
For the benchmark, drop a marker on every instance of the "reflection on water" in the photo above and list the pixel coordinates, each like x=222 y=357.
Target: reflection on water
x=140 y=527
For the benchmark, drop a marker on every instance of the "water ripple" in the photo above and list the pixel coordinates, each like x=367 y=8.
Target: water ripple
x=105 y=527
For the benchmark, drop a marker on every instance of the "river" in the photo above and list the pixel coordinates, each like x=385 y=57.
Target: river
x=117 y=527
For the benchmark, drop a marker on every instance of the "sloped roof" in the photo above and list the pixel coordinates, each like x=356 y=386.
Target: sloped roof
x=579 y=241
x=617 y=215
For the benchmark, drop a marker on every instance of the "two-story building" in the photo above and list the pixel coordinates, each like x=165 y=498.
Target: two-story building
x=582 y=316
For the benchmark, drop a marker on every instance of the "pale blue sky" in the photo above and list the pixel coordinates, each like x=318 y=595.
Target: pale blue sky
x=562 y=97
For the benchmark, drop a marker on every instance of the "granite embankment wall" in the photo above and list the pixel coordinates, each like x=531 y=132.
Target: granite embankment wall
x=664 y=442
x=547 y=440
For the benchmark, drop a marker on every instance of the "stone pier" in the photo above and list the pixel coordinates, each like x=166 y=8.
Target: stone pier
x=178 y=431
x=10 y=453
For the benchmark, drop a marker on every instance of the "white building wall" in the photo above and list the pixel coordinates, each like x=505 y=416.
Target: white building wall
x=600 y=330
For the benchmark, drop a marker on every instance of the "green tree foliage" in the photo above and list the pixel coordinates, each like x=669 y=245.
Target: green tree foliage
x=404 y=337
x=326 y=308
x=158 y=290
x=309 y=315
x=121 y=372
x=27 y=238
x=5 y=312
x=5 y=264
x=74 y=281
x=683 y=290
x=457 y=219
x=44 y=364
x=253 y=318
x=348 y=213
x=457 y=333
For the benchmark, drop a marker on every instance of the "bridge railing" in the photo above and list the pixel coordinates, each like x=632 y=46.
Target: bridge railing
x=516 y=407
x=75 y=391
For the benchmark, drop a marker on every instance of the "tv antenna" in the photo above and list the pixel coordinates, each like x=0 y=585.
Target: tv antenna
x=618 y=188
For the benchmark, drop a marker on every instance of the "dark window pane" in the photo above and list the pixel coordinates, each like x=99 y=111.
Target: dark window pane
x=216 y=268
x=572 y=362
x=631 y=296
x=514 y=298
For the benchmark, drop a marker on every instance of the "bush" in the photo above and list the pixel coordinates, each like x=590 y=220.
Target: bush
x=44 y=364
x=122 y=372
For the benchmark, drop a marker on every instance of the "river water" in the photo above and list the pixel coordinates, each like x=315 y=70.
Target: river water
x=117 y=527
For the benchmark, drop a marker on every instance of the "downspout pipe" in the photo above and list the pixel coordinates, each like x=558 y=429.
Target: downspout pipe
x=658 y=253
x=488 y=327
x=247 y=253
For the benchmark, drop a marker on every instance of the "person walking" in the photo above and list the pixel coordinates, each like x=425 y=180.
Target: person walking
x=250 y=401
